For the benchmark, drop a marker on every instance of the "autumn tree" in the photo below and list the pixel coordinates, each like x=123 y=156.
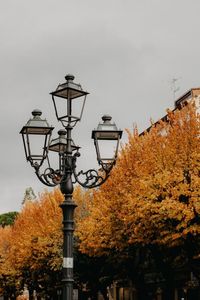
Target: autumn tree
x=31 y=249
x=152 y=197
x=145 y=216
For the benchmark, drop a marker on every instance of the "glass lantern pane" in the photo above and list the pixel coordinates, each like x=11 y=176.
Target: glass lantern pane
x=65 y=109
x=55 y=160
x=36 y=146
x=107 y=149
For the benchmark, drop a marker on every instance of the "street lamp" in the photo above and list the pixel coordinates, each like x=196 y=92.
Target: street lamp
x=66 y=174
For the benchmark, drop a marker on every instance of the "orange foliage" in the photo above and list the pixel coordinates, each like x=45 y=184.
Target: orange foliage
x=36 y=233
x=22 y=297
x=152 y=196
x=153 y=193
x=35 y=240
x=5 y=244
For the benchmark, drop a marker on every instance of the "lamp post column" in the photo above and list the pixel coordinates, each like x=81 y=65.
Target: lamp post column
x=68 y=206
x=63 y=145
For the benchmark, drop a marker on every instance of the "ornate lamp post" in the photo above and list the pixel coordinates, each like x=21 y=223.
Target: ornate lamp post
x=66 y=174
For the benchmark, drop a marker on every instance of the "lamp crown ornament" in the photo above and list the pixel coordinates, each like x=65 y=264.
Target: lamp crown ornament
x=69 y=77
x=106 y=118
x=36 y=112
x=62 y=132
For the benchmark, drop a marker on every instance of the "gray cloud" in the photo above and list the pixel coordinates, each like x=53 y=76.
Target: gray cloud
x=125 y=53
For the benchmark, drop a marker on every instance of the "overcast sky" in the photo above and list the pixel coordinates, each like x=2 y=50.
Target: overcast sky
x=124 y=52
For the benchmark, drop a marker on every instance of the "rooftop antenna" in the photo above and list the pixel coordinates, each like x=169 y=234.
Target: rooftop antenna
x=174 y=86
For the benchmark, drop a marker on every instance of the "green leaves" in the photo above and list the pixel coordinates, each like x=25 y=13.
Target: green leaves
x=8 y=218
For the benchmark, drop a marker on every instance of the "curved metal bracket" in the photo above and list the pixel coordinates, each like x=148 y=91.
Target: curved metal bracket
x=50 y=177
x=93 y=178
x=88 y=179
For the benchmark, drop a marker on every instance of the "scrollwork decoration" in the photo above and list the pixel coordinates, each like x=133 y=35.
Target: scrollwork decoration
x=50 y=177
x=87 y=179
x=92 y=177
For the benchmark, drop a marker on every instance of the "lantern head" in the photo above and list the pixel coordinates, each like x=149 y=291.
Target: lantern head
x=36 y=127
x=106 y=136
x=64 y=100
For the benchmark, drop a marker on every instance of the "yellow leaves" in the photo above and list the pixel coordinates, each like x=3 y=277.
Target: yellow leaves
x=35 y=238
x=5 y=244
x=152 y=192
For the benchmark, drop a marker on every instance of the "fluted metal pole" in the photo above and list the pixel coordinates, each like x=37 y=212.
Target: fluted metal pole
x=68 y=206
